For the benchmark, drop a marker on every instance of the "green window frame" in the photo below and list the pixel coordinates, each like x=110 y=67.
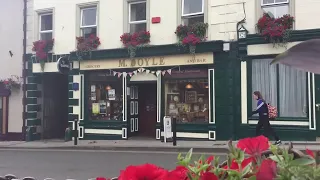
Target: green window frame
x=251 y=106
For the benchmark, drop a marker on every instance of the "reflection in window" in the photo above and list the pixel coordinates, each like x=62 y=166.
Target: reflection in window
x=276 y=7
x=46 y=26
x=105 y=98
x=192 y=11
x=138 y=16
x=187 y=100
x=88 y=24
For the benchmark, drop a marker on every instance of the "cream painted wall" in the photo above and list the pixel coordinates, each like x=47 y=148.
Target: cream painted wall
x=11 y=35
x=111 y=25
x=224 y=14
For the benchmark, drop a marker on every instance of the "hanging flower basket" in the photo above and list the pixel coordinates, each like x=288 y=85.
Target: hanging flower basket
x=190 y=36
x=135 y=41
x=11 y=83
x=42 y=48
x=275 y=30
x=86 y=45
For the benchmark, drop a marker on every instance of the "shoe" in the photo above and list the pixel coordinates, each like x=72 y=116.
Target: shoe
x=278 y=142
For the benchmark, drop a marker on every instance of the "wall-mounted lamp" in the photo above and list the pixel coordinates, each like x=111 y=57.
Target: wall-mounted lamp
x=108 y=87
x=189 y=86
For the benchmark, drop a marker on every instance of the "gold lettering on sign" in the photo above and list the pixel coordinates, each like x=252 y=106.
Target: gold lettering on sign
x=92 y=66
x=196 y=61
x=122 y=63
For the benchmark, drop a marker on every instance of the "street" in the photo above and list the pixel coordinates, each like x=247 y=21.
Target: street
x=78 y=165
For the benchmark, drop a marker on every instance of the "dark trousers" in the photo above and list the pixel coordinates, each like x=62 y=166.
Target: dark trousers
x=268 y=131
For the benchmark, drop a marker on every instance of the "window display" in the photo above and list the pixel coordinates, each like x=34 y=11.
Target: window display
x=105 y=98
x=187 y=100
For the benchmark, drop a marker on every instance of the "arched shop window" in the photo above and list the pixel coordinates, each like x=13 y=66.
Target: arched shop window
x=105 y=97
x=187 y=96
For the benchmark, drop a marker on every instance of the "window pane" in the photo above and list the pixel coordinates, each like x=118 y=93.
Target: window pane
x=45 y=36
x=86 y=32
x=105 y=98
x=277 y=11
x=264 y=79
x=138 y=27
x=293 y=92
x=192 y=20
x=138 y=12
x=46 y=22
x=192 y=6
x=89 y=17
x=280 y=1
x=268 y=1
x=188 y=100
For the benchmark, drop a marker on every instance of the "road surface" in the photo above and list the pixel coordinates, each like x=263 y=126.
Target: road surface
x=80 y=165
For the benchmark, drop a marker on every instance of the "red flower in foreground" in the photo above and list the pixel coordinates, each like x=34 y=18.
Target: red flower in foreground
x=180 y=173
x=268 y=170
x=101 y=178
x=234 y=165
x=208 y=176
x=143 y=172
x=310 y=153
x=254 y=146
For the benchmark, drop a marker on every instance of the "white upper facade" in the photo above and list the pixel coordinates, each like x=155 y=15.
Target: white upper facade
x=64 y=20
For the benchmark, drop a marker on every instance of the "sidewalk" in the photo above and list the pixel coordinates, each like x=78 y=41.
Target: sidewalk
x=141 y=145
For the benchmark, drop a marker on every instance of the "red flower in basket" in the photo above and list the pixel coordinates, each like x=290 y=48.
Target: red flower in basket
x=180 y=173
x=191 y=39
x=310 y=153
x=101 y=178
x=267 y=170
x=143 y=172
x=254 y=146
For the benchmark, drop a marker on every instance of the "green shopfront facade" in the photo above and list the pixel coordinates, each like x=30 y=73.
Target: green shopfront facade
x=295 y=93
x=160 y=81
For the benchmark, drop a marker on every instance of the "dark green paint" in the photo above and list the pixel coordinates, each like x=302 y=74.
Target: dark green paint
x=32 y=115
x=33 y=94
x=70 y=94
x=33 y=122
x=73 y=102
x=32 y=100
x=33 y=107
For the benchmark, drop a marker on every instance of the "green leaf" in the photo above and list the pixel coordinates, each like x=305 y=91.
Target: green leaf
x=247 y=169
x=276 y=158
x=252 y=178
x=189 y=154
x=302 y=162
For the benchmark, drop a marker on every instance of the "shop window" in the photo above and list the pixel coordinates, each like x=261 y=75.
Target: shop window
x=45 y=26
x=187 y=100
x=276 y=7
x=105 y=97
x=138 y=16
x=192 y=11
x=88 y=21
x=281 y=86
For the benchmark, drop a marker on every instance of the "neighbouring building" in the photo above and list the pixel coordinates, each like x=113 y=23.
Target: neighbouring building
x=115 y=89
x=11 y=53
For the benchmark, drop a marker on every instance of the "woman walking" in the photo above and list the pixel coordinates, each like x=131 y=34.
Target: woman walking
x=262 y=109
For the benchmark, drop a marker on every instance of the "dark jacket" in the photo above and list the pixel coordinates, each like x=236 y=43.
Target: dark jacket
x=262 y=109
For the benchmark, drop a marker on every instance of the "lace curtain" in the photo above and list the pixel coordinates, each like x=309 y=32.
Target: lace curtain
x=292 y=87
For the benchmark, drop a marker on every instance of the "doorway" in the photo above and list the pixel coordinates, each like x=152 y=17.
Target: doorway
x=142 y=105
x=55 y=105
x=148 y=109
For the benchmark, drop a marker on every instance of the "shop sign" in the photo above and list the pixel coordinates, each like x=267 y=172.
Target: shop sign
x=167 y=128
x=63 y=65
x=174 y=60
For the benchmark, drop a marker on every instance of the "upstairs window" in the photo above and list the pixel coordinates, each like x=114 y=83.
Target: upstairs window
x=88 y=24
x=276 y=7
x=45 y=26
x=192 y=11
x=137 y=16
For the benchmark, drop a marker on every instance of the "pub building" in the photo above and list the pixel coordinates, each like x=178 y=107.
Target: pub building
x=135 y=94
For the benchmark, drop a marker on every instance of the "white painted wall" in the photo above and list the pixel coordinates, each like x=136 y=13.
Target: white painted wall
x=111 y=22
x=11 y=35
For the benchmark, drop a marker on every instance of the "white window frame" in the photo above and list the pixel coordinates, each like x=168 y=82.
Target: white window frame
x=276 y=3
x=45 y=31
x=136 y=22
x=81 y=18
x=192 y=14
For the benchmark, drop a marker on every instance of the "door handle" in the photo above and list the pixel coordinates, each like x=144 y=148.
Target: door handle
x=318 y=107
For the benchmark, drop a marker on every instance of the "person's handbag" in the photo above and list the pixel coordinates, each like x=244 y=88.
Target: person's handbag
x=273 y=111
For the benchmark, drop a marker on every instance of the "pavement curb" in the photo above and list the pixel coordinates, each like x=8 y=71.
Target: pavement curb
x=142 y=149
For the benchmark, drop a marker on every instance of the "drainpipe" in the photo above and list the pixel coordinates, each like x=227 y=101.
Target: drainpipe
x=24 y=69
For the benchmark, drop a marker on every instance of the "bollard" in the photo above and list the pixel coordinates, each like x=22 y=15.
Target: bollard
x=68 y=134
x=75 y=132
x=174 y=131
